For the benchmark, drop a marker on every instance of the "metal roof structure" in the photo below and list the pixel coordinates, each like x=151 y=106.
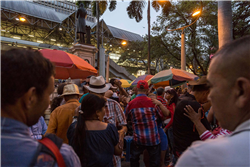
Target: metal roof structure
x=119 y=33
x=35 y=10
x=123 y=34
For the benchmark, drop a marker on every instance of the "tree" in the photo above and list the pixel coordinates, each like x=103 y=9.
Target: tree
x=225 y=32
x=102 y=6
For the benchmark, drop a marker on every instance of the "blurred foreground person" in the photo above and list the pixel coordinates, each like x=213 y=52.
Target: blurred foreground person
x=231 y=108
x=62 y=116
x=94 y=141
x=27 y=82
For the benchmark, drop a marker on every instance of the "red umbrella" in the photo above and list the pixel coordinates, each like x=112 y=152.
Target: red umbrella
x=68 y=65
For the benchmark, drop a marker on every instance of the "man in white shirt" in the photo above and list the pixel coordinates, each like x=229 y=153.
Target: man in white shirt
x=229 y=81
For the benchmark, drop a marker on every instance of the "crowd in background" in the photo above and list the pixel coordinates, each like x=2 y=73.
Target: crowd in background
x=204 y=124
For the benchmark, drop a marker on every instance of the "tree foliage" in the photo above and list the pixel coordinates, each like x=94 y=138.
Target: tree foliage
x=201 y=39
x=135 y=8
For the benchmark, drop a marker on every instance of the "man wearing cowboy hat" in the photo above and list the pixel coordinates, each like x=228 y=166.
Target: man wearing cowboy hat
x=62 y=116
x=183 y=128
x=114 y=113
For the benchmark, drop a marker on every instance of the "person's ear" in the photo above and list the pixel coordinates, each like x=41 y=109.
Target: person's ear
x=30 y=98
x=242 y=92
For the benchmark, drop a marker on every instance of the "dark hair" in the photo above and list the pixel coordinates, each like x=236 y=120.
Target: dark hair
x=57 y=100
x=160 y=91
x=199 y=88
x=21 y=70
x=90 y=104
x=175 y=96
x=112 y=81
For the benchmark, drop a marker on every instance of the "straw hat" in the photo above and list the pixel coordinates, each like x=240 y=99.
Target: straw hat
x=70 y=89
x=97 y=85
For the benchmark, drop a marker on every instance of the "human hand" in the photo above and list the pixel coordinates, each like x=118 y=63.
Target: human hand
x=192 y=115
x=117 y=83
x=165 y=130
x=108 y=94
x=121 y=139
x=156 y=102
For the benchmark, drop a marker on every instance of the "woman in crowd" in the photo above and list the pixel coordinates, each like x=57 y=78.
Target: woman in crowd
x=94 y=141
x=58 y=101
x=172 y=98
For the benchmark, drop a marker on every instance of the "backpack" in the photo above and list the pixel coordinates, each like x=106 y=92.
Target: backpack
x=48 y=153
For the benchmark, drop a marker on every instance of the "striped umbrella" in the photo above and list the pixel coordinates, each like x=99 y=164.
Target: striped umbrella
x=172 y=77
x=143 y=77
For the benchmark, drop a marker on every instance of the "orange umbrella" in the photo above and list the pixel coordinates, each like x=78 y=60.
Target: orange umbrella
x=68 y=65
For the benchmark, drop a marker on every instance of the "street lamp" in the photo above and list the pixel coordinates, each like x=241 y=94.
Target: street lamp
x=183 y=54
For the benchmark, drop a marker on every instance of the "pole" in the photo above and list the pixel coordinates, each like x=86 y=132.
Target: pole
x=107 y=70
x=183 y=54
x=97 y=34
x=149 y=37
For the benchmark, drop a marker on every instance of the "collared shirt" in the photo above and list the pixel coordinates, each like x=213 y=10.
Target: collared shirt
x=143 y=115
x=18 y=148
x=39 y=129
x=208 y=135
x=61 y=118
x=227 y=150
x=114 y=115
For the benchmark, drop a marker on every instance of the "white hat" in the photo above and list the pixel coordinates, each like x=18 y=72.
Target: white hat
x=167 y=88
x=70 y=89
x=97 y=85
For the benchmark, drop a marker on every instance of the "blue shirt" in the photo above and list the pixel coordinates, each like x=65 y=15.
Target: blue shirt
x=18 y=148
x=38 y=129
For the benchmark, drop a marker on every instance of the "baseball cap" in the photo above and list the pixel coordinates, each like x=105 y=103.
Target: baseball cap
x=200 y=81
x=142 y=84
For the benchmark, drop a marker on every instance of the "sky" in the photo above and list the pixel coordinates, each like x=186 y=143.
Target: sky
x=120 y=19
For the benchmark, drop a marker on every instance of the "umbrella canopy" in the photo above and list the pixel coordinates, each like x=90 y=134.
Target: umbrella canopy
x=68 y=65
x=125 y=83
x=143 y=77
x=172 y=77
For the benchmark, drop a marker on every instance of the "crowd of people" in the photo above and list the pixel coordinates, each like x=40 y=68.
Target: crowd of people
x=205 y=124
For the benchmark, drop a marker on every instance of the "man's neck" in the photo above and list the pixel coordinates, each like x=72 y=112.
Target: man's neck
x=144 y=93
x=14 y=112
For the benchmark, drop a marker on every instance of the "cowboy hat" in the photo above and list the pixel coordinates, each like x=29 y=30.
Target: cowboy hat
x=97 y=85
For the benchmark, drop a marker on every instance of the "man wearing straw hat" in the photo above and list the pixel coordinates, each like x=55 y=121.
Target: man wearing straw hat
x=62 y=116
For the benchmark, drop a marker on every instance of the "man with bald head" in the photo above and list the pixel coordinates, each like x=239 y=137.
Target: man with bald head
x=229 y=81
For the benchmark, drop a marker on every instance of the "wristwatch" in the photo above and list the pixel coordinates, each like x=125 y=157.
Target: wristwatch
x=75 y=117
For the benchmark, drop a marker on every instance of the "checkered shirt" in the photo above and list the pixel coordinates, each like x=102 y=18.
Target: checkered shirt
x=143 y=115
x=114 y=114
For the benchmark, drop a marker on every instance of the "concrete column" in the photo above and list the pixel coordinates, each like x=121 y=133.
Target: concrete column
x=102 y=62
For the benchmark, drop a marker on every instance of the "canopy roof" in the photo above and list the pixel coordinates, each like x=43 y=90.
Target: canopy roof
x=119 y=33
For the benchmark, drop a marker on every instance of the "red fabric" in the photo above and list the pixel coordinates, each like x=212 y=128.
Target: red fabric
x=171 y=109
x=68 y=65
x=51 y=145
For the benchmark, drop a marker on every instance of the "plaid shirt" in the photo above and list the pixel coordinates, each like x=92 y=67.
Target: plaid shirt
x=114 y=114
x=143 y=115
